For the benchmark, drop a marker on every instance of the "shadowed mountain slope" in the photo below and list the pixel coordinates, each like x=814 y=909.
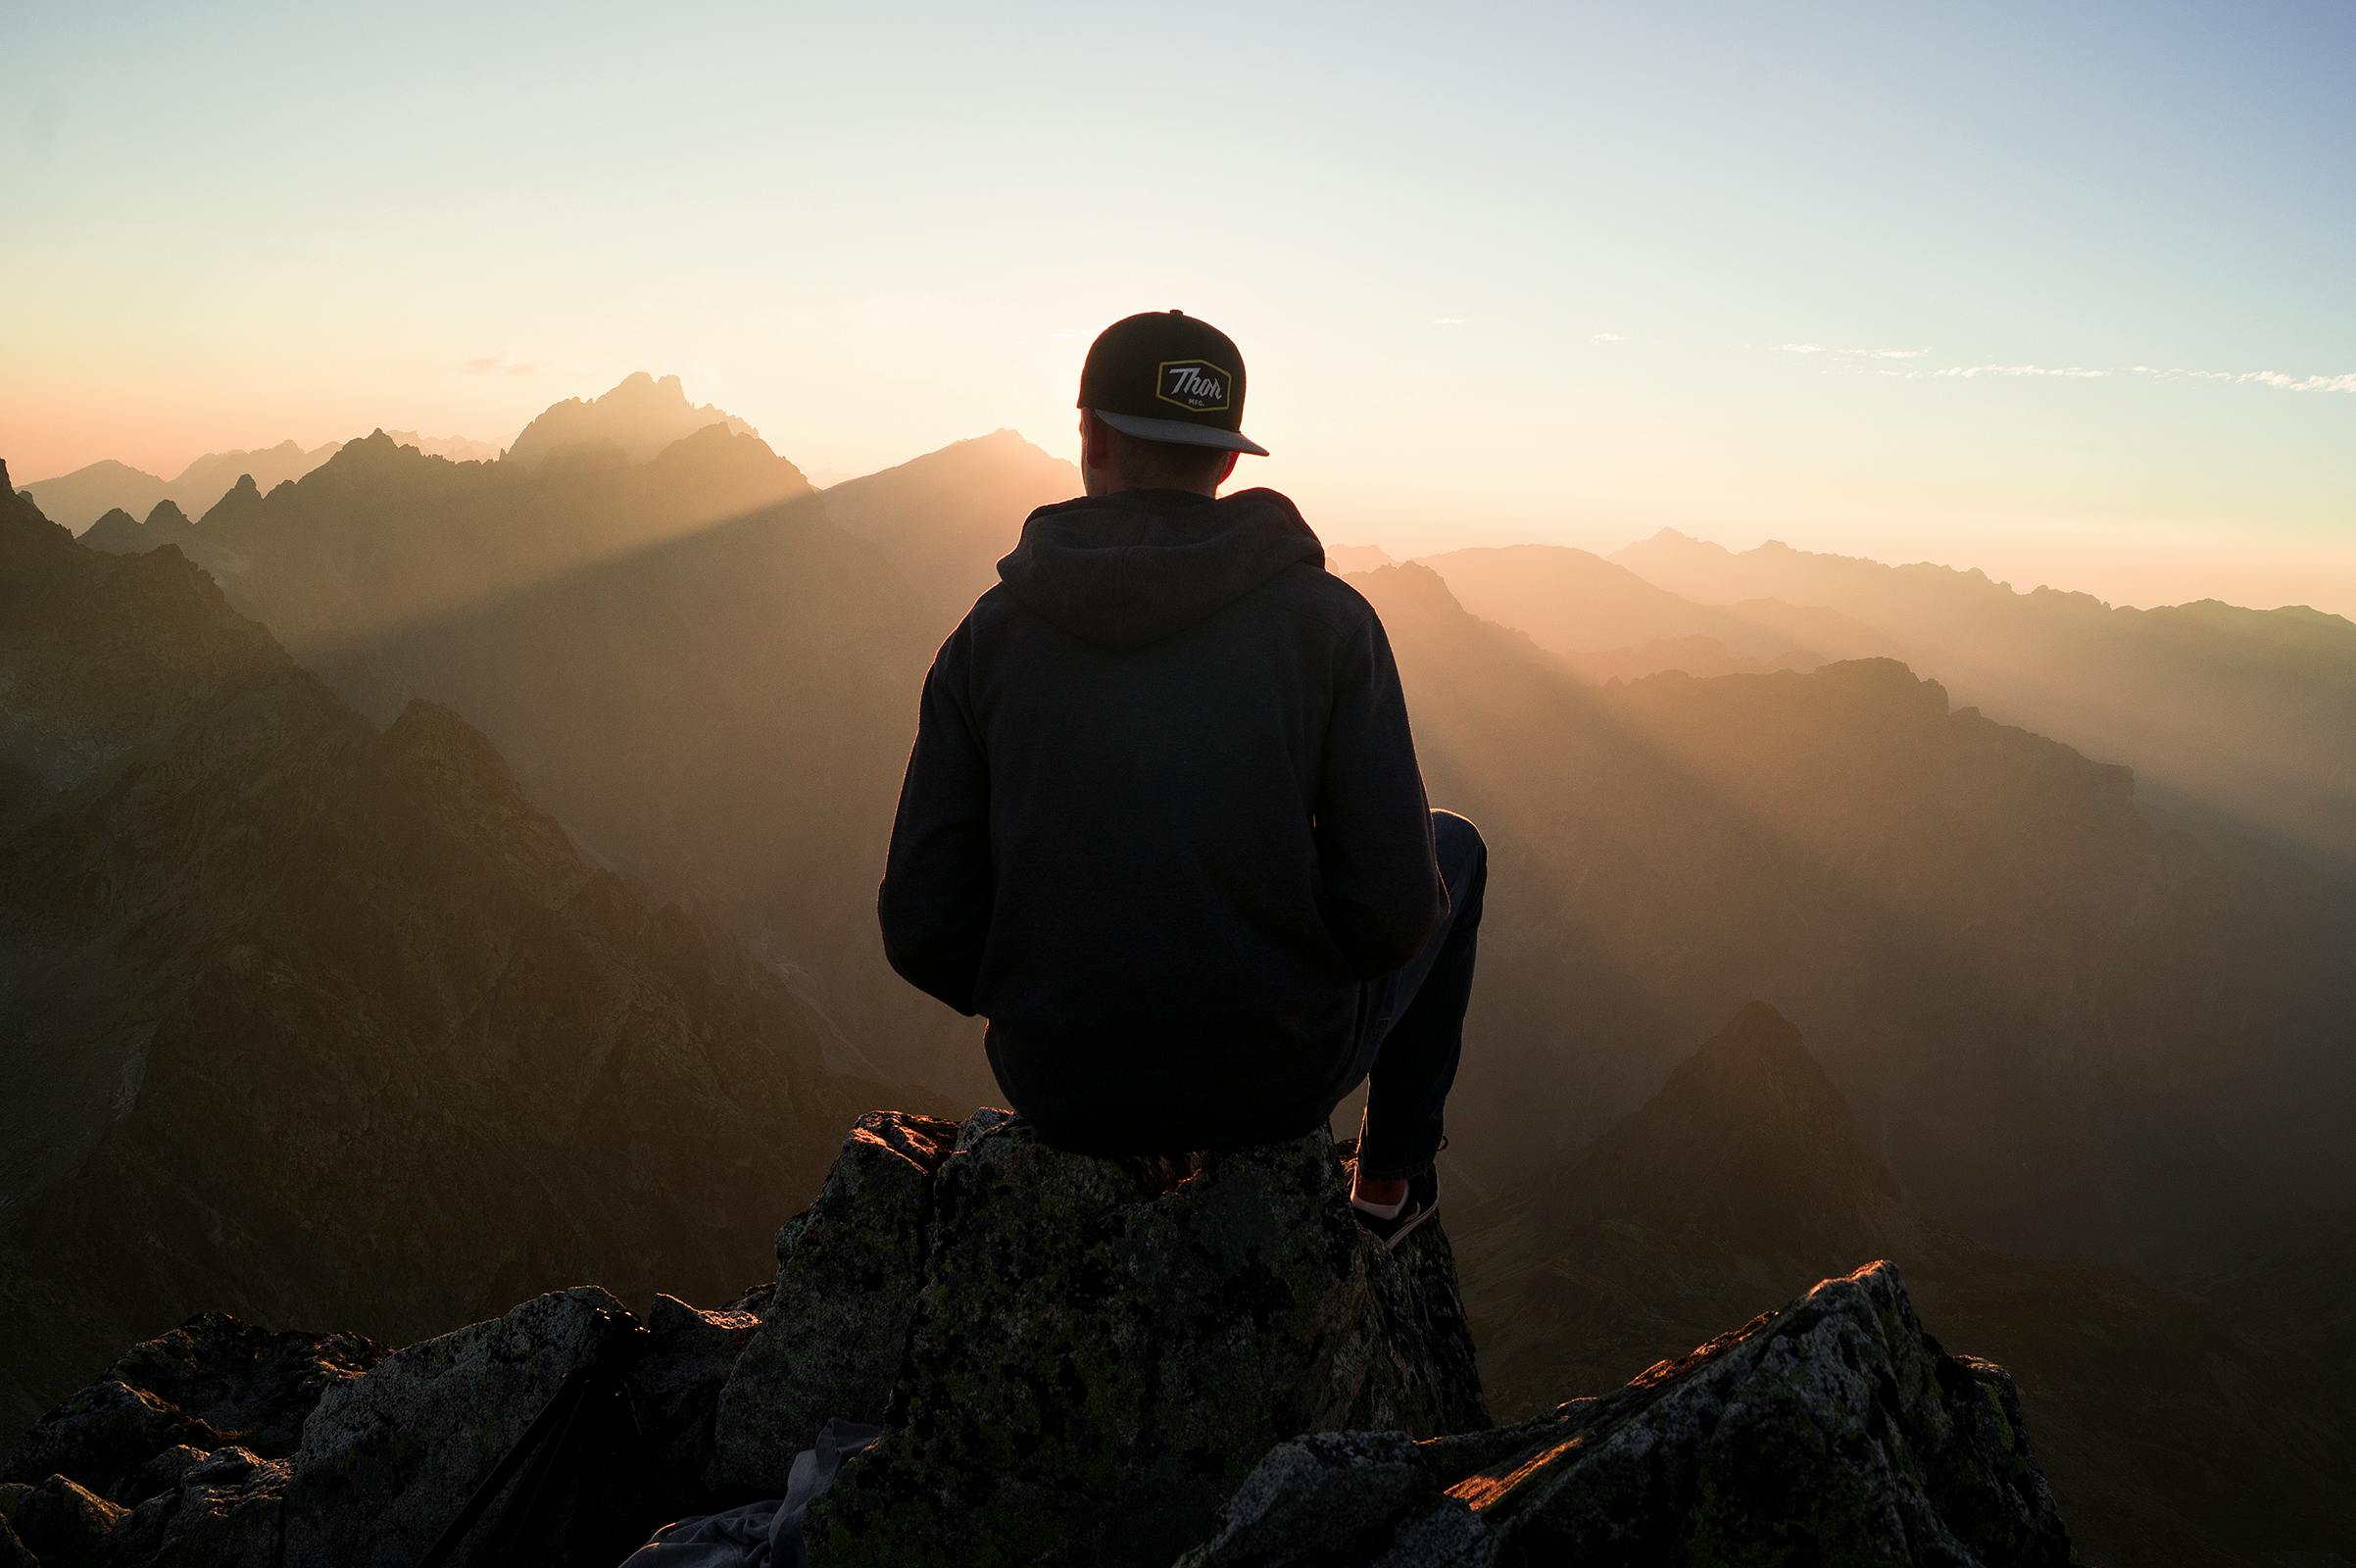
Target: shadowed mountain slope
x=2171 y=1429
x=2020 y=980
x=2248 y=715
x=2064 y=1026
x=383 y=538
x=684 y=659
x=316 y=1022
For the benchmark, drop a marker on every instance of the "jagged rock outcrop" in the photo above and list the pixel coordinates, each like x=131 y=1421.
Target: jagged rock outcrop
x=211 y=1382
x=1079 y=1360
x=1833 y=1431
x=179 y=1454
x=1071 y=1352
x=1079 y=1357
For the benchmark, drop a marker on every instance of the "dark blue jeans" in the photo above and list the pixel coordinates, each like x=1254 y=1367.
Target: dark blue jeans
x=1413 y=1028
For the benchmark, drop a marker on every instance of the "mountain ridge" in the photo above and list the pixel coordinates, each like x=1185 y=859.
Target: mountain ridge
x=313 y=1019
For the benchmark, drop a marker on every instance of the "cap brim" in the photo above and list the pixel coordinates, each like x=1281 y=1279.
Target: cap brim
x=1178 y=433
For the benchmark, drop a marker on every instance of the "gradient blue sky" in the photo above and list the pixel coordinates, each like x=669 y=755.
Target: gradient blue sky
x=1499 y=272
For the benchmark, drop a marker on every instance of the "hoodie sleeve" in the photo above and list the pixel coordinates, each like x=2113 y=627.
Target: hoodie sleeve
x=934 y=905
x=1383 y=892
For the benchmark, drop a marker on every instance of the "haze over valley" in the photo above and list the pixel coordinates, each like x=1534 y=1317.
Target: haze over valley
x=433 y=878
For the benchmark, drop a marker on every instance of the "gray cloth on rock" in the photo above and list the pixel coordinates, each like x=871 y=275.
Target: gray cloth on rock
x=765 y=1534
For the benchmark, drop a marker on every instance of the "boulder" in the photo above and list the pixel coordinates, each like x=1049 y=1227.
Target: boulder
x=104 y=1434
x=225 y=1511
x=253 y=1385
x=387 y=1460
x=169 y=1400
x=62 y=1522
x=1834 y=1432
x=836 y=1326
x=1078 y=1357
x=675 y=1386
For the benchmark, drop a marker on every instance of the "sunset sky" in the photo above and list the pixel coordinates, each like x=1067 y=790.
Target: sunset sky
x=2062 y=292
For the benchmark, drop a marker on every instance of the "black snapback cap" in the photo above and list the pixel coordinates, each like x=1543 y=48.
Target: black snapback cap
x=1166 y=376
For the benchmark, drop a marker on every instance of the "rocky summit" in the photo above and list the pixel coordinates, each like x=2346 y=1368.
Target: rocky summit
x=1096 y=1352
x=1074 y=1361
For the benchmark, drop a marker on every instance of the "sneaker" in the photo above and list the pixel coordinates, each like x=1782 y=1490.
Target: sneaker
x=1422 y=1202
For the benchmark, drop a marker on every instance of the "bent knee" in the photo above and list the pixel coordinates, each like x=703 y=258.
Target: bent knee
x=1456 y=842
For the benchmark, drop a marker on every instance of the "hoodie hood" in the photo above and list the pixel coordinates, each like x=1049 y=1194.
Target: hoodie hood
x=1127 y=570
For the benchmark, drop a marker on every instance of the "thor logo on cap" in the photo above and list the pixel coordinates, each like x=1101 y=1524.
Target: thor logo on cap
x=1195 y=384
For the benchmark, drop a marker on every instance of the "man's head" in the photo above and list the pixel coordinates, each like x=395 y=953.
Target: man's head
x=1111 y=461
x=1162 y=406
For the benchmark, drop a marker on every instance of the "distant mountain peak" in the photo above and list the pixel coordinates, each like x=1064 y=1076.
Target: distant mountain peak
x=372 y=454
x=166 y=513
x=641 y=415
x=1750 y=1120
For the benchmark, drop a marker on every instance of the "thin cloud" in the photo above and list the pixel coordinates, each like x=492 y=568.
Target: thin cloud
x=1968 y=372
x=2273 y=378
x=2276 y=379
x=1608 y=337
x=1448 y=320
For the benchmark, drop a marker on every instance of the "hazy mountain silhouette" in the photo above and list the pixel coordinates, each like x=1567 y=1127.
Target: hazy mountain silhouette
x=709 y=673
x=2065 y=1026
x=457 y=448
x=2171 y=1429
x=318 y=1022
x=1607 y=622
x=2245 y=712
x=945 y=518
x=80 y=499
x=684 y=659
x=641 y=416
x=119 y=533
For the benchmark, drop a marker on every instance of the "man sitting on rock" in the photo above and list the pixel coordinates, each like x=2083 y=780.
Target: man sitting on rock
x=1164 y=825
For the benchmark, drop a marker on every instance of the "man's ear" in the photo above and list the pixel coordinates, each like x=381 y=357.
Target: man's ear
x=1092 y=439
x=1227 y=470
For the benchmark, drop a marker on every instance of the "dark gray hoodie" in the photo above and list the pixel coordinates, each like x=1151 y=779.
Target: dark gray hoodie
x=1161 y=820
